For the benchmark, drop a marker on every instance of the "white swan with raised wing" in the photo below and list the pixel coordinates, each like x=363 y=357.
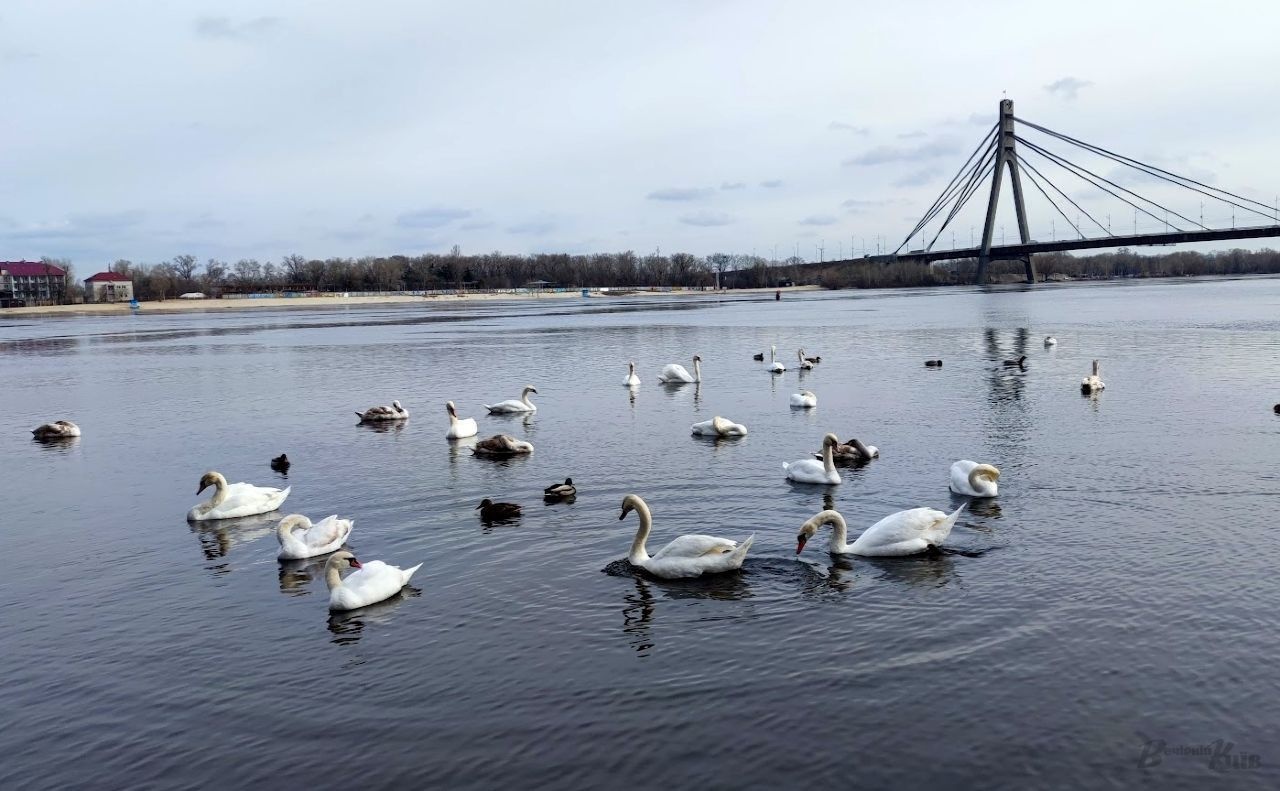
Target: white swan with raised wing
x=521 y=404
x=370 y=583
x=973 y=479
x=686 y=556
x=811 y=471
x=234 y=500
x=299 y=538
x=907 y=532
x=675 y=373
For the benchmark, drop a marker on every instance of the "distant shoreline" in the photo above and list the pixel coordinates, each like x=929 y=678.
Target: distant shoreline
x=337 y=300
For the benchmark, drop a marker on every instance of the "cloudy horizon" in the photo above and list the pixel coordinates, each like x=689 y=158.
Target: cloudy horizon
x=262 y=129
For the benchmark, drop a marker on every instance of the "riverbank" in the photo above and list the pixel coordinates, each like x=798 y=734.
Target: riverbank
x=340 y=301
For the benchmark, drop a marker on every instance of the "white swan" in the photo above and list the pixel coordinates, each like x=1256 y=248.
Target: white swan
x=904 y=533
x=234 y=500
x=393 y=412
x=805 y=399
x=521 y=404
x=974 y=479
x=370 y=582
x=775 y=367
x=1049 y=340
x=1092 y=383
x=810 y=471
x=56 y=430
x=632 y=380
x=674 y=373
x=686 y=556
x=804 y=364
x=459 y=428
x=299 y=538
x=718 y=427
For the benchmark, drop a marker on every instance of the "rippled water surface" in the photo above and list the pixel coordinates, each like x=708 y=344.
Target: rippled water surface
x=1121 y=588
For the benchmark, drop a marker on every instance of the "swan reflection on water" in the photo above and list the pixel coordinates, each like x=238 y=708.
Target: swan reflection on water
x=296 y=576
x=461 y=447
x=383 y=426
x=218 y=537
x=933 y=569
x=347 y=627
x=675 y=390
x=56 y=444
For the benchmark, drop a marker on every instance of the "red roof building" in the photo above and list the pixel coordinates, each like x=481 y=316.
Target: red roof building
x=31 y=283
x=108 y=287
x=108 y=277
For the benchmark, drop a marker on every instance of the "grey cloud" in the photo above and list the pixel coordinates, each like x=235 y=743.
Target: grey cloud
x=733 y=185
x=771 y=184
x=680 y=193
x=532 y=227
x=818 y=219
x=431 y=218
x=76 y=226
x=1067 y=87
x=221 y=27
x=841 y=126
x=882 y=154
x=912 y=135
x=350 y=235
x=707 y=219
x=918 y=178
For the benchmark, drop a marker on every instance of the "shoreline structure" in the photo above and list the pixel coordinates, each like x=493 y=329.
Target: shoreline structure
x=339 y=300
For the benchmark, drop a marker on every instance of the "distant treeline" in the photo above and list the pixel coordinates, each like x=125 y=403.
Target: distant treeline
x=184 y=273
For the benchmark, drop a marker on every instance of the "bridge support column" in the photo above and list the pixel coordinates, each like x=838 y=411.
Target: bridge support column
x=1006 y=156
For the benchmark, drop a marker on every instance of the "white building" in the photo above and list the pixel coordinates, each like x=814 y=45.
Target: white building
x=108 y=287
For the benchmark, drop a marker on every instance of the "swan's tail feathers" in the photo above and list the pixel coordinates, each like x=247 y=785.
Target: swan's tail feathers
x=486 y=406
x=942 y=528
x=407 y=573
x=740 y=551
x=360 y=415
x=786 y=466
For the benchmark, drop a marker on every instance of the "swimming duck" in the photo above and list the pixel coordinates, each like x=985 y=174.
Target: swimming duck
x=814 y=360
x=758 y=356
x=933 y=363
x=280 y=463
x=58 y=429
x=490 y=511
x=1050 y=341
x=560 y=491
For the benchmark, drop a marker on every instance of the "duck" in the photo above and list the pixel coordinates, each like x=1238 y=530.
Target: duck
x=814 y=360
x=1092 y=383
x=280 y=463
x=1049 y=340
x=810 y=471
x=459 y=428
x=1021 y=362
x=560 y=491
x=674 y=373
x=1277 y=409
x=370 y=583
x=632 y=380
x=852 y=452
x=758 y=356
x=907 y=532
x=501 y=445
x=973 y=479
x=376 y=413
x=804 y=364
x=231 y=501
x=718 y=427
x=933 y=363
x=686 y=556
x=775 y=367
x=299 y=538
x=59 y=429
x=805 y=399
x=490 y=511
x=521 y=404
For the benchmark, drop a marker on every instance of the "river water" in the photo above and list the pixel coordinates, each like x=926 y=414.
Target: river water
x=1118 y=596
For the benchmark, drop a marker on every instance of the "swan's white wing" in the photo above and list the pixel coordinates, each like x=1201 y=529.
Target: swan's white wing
x=674 y=372
x=806 y=468
x=244 y=499
x=695 y=546
x=960 y=476
x=327 y=531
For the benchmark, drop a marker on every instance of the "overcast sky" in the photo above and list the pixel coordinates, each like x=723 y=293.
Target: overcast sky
x=143 y=130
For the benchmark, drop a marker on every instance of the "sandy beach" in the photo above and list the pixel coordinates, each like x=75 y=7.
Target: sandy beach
x=340 y=301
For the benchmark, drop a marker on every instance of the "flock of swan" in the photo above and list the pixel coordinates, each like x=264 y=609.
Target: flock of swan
x=905 y=532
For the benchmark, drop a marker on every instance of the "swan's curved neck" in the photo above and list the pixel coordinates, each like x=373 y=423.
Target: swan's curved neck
x=285 y=529
x=638 y=553
x=857 y=443
x=977 y=479
x=828 y=463
x=219 y=491
x=839 y=531
x=524 y=396
x=331 y=576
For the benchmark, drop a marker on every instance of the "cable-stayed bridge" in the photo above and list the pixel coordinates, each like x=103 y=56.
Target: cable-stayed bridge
x=1004 y=148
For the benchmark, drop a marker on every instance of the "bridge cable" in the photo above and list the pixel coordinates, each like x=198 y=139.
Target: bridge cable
x=1156 y=171
x=1032 y=179
x=1075 y=168
x=973 y=188
x=1024 y=161
x=988 y=141
x=949 y=193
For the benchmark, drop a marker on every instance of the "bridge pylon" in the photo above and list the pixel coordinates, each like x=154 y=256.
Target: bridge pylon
x=1006 y=154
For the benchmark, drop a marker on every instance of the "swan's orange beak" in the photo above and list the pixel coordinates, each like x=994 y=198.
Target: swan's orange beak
x=355 y=564
x=801 y=540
